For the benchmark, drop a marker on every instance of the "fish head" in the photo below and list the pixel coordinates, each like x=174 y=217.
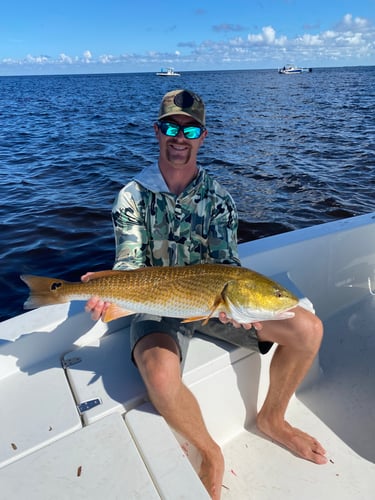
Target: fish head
x=258 y=299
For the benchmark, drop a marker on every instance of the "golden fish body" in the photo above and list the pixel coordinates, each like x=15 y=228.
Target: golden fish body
x=197 y=292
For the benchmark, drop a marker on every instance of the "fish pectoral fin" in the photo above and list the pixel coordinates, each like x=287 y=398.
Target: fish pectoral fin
x=218 y=302
x=114 y=312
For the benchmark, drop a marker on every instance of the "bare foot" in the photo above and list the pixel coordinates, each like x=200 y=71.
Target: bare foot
x=211 y=473
x=295 y=440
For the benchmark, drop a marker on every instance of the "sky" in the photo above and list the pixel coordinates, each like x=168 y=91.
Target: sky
x=117 y=36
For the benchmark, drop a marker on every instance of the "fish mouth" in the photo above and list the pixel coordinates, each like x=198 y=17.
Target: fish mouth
x=288 y=308
x=285 y=313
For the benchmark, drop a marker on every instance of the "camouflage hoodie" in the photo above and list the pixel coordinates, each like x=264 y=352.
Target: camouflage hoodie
x=156 y=228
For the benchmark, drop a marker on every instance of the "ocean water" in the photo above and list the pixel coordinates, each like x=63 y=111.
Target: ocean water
x=294 y=151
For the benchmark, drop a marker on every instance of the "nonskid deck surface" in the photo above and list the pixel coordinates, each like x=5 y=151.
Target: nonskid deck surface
x=257 y=468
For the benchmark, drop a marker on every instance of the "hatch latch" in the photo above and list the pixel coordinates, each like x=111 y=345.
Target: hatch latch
x=88 y=405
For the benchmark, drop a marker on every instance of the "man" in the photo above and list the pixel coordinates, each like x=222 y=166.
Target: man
x=174 y=213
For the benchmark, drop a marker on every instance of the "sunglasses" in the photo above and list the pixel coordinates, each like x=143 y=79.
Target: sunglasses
x=172 y=130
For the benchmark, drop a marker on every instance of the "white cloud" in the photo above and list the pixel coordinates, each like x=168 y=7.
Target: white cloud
x=106 y=59
x=328 y=34
x=358 y=22
x=36 y=60
x=311 y=40
x=355 y=39
x=350 y=41
x=267 y=37
x=65 y=59
x=87 y=56
x=269 y=34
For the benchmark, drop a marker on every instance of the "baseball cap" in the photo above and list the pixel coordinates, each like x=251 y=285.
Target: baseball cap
x=182 y=102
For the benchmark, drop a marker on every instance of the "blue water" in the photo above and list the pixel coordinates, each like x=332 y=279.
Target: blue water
x=293 y=150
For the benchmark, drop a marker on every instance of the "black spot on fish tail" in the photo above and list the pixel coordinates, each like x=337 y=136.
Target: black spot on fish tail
x=56 y=285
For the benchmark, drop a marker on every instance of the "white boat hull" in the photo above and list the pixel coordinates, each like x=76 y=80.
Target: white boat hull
x=294 y=70
x=119 y=446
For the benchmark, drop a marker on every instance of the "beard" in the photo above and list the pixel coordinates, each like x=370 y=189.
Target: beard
x=178 y=156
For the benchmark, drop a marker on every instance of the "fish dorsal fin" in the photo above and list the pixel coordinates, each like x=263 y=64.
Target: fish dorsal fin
x=102 y=274
x=114 y=312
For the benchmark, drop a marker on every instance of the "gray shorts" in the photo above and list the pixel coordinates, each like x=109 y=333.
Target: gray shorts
x=146 y=324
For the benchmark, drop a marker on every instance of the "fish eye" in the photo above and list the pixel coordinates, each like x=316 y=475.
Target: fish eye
x=278 y=293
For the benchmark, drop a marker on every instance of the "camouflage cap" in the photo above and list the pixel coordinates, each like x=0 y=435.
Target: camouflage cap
x=183 y=102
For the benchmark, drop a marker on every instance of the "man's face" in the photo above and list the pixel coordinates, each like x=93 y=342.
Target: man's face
x=179 y=151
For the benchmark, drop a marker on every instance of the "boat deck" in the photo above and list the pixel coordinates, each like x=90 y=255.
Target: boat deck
x=339 y=410
x=76 y=423
x=337 y=407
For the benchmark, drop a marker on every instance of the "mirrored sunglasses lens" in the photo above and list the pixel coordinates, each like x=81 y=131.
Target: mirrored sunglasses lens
x=192 y=132
x=169 y=129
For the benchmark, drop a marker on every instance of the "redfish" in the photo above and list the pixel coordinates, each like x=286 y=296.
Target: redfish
x=192 y=293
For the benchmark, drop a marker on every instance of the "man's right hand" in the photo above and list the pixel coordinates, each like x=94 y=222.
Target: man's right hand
x=95 y=305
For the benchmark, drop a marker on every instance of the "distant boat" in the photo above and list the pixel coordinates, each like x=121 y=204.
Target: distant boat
x=289 y=69
x=167 y=72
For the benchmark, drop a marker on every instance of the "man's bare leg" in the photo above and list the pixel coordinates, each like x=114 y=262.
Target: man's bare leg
x=157 y=358
x=299 y=340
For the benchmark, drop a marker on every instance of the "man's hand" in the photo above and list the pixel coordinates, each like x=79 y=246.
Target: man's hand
x=94 y=305
x=224 y=319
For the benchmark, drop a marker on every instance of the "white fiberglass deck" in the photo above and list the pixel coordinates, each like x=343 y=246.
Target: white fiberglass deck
x=122 y=449
x=338 y=409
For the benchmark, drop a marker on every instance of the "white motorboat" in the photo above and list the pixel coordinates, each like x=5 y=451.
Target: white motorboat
x=293 y=70
x=75 y=421
x=167 y=72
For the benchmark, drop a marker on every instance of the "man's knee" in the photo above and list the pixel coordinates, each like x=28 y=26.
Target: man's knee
x=311 y=331
x=158 y=361
x=304 y=332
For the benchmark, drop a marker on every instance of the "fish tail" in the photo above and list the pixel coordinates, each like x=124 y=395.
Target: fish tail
x=44 y=291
